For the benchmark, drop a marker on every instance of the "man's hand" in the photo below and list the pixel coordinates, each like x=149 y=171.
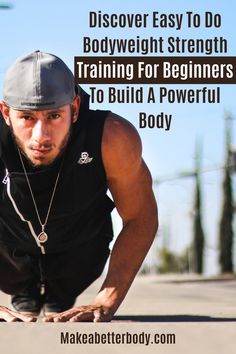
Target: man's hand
x=13 y=316
x=88 y=313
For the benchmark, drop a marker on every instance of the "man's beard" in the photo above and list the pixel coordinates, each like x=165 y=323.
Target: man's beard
x=62 y=147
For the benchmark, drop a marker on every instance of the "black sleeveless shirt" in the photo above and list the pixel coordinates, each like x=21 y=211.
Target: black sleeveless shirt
x=80 y=206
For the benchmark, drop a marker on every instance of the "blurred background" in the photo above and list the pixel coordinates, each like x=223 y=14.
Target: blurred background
x=193 y=165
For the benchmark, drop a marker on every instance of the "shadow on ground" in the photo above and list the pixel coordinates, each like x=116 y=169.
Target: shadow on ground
x=173 y=318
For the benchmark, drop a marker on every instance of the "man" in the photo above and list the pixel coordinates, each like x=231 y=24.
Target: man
x=57 y=159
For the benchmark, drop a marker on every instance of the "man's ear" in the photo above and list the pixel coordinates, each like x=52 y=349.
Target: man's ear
x=75 y=105
x=5 y=112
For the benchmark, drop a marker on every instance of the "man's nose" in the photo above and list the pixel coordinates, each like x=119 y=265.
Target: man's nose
x=41 y=133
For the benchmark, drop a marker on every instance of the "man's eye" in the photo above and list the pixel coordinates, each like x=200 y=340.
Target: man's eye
x=54 y=116
x=26 y=117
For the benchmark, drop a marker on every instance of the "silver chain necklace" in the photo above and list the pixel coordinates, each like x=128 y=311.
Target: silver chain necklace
x=42 y=236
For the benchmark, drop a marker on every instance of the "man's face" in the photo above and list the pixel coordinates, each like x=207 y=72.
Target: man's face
x=42 y=135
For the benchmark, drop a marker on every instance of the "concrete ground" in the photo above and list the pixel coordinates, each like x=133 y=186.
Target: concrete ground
x=161 y=314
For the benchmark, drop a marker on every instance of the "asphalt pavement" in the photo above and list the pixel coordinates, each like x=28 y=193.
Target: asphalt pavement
x=161 y=314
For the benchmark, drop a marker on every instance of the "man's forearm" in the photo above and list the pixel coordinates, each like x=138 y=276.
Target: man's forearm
x=127 y=256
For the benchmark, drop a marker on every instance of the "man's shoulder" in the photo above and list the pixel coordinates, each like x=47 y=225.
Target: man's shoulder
x=121 y=144
x=119 y=131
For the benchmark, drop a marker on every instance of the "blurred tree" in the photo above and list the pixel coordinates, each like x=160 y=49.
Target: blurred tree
x=198 y=234
x=226 y=233
x=170 y=262
x=6 y=6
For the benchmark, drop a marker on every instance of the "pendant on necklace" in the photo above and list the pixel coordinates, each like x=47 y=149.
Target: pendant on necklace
x=42 y=237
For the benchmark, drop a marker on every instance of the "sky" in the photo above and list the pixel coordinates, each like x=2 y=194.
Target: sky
x=58 y=27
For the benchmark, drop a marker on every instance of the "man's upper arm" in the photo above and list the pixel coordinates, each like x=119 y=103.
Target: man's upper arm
x=128 y=177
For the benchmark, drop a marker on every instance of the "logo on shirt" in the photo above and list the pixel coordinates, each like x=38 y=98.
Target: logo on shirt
x=85 y=158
